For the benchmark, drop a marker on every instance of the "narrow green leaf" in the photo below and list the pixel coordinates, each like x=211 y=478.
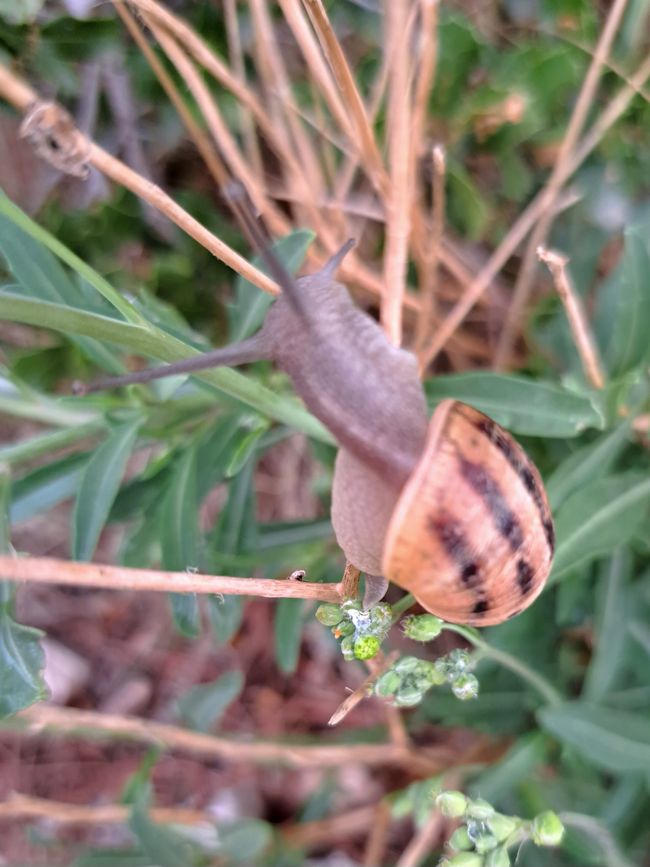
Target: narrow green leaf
x=45 y=487
x=226 y=613
x=99 y=486
x=598 y=518
x=629 y=342
x=287 y=629
x=164 y=847
x=110 y=857
x=612 y=613
x=246 y=446
x=587 y=464
x=519 y=762
x=179 y=537
x=610 y=739
x=202 y=706
x=523 y=406
x=33 y=230
x=247 y=312
x=21 y=665
x=244 y=842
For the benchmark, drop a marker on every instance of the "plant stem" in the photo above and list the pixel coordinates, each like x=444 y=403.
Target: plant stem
x=402 y=605
x=543 y=687
x=44 y=443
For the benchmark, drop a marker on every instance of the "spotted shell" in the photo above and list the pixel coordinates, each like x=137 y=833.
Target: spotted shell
x=471 y=535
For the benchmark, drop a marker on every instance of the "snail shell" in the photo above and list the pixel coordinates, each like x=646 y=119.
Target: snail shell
x=471 y=535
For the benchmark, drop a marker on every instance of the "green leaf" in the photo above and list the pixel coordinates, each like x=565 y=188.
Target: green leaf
x=20 y=11
x=164 y=847
x=244 y=841
x=247 y=312
x=598 y=518
x=179 y=537
x=246 y=446
x=203 y=705
x=629 y=341
x=468 y=208
x=45 y=487
x=99 y=486
x=519 y=762
x=226 y=613
x=21 y=664
x=587 y=464
x=610 y=739
x=110 y=857
x=611 y=634
x=287 y=628
x=523 y=406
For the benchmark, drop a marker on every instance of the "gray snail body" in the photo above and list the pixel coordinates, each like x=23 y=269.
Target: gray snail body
x=451 y=509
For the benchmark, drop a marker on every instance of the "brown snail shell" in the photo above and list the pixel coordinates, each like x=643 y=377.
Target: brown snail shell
x=471 y=535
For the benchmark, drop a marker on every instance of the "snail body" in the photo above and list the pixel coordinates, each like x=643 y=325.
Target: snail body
x=452 y=509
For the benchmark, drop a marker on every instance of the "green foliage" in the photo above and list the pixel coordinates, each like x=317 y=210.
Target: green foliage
x=202 y=706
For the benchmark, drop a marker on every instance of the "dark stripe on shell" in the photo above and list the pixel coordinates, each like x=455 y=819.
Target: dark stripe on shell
x=525 y=576
x=488 y=489
x=452 y=538
x=520 y=465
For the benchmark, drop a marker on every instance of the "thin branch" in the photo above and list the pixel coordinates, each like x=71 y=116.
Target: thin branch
x=534 y=210
x=584 y=341
x=423 y=841
x=554 y=184
x=70 y=721
x=399 y=197
x=44 y=570
x=24 y=98
x=362 y=134
x=431 y=254
x=362 y=691
x=377 y=839
x=350 y=582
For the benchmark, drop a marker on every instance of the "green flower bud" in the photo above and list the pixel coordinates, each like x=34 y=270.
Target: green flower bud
x=458 y=661
x=406 y=664
x=422 y=627
x=485 y=843
x=547 y=829
x=465 y=859
x=452 y=804
x=388 y=684
x=439 y=672
x=345 y=627
x=351 y=605
x=329 y=614
x=347 y=648
x=497 y=858
x=501 y=826
x=408 y=696
x=480 y=809
x=366 y=647
x=459 y=840
x=465 y=686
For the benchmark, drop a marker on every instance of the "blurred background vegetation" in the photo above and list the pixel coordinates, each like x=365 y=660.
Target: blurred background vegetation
x=232 y=476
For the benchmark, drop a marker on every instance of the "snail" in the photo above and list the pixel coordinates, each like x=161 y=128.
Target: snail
x=451 y=510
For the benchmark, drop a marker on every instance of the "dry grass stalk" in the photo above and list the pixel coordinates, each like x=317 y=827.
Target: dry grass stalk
x=23 y=97
x=533 y=212
x=399 y=198
x=378 y=837
x=423 y=841
x=362 y=134
x=582 y=336
x=70 y=721
x=431 y=253
x=45 y=570
x=363 y=691
x=553 y=186
x=236 y=59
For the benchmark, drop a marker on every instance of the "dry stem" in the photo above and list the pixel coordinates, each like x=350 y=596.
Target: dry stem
x=431 y=253
x=23 y=97
x=73 y=722
x=362 y=691
x=582 y=336
x=422 y=842
x=376 y=843
x=44 y=570
x=556 y=180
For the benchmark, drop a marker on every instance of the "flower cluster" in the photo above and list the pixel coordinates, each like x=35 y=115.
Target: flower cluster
x=410 y=678
x=485 y=837
x=360 y=632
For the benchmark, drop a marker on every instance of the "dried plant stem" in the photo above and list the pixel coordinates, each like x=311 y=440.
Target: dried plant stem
x=350 y=582
x=376 y=843
x=430 y=255
x=362 y=691
x=70 y=721
x=557 y=265
x=535 y=209
x=44 y=570
x=554 y=184
x=423 y=841
x=362 y=136
x=399 y=197
x=22 y=97
x=310 y=835
x=26 y=807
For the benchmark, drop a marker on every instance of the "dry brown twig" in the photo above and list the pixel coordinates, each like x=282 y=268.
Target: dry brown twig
x=582 y=336
x=557 y=178
x=70 y=721
x=362 y=691
x=431 y=254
